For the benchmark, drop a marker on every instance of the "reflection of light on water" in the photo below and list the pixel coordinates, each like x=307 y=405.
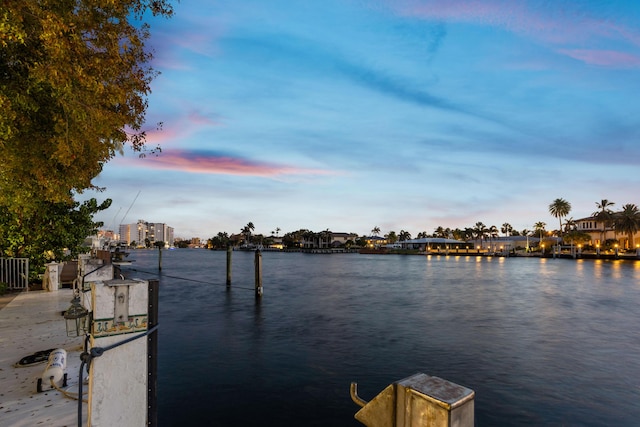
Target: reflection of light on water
x=524 y=333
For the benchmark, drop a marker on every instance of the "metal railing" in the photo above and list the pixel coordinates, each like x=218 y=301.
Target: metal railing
x=15 y=273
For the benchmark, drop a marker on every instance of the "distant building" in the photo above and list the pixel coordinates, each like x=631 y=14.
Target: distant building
x=143 y=231
x=601 y=232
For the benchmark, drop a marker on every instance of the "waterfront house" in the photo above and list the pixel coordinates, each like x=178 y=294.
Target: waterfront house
x=600 y=232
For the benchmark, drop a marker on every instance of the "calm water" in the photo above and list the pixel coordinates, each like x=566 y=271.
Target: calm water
x=542 y=342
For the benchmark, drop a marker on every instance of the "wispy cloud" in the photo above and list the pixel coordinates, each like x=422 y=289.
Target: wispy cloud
x=222 y=164
x=604 y=58
x=329 y=60
x=181 y=127
x=559 y=24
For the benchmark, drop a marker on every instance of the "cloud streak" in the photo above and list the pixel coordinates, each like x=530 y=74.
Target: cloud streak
x=604 y=58
x=557 y=24
x=223 y=164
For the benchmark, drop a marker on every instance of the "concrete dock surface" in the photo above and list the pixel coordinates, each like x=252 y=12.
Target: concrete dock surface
x=31 y=322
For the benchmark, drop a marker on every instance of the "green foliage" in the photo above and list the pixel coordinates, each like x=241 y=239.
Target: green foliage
x=220 y=241
x=46 y=231
x=3 y=288
x=74 y=76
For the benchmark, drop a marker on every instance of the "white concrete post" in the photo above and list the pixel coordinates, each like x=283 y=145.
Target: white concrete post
x=118 y=378
x=53 y=276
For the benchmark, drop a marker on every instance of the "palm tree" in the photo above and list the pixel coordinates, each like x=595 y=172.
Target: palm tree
x=404 y=235
x=569 y=225
x=506 y=229
x=375 y=230
x=560 y=208
x=480 y=231
x=538 y=228
x=247 y=229
x=628 y=221
x=604 y=215
x=391 y=237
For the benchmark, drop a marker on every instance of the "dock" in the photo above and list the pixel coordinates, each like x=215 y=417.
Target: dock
x=31 y=322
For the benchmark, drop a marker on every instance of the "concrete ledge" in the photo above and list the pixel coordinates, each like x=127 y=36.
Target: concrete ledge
x=30 y=322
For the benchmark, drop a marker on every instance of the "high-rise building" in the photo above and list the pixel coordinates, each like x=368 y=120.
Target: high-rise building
x=143 y=233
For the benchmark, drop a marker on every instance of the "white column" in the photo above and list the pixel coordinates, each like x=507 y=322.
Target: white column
x=118 y=378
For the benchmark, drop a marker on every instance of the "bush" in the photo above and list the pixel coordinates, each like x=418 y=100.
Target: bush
x=3 y=288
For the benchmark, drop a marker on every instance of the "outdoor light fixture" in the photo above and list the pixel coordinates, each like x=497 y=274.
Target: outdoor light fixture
x=76 y=317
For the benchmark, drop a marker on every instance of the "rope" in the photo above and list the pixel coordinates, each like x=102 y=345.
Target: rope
x=65 y=393
x=188 y=280
x=87 y=357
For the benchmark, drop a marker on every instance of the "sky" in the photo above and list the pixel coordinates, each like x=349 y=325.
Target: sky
x=404 y=115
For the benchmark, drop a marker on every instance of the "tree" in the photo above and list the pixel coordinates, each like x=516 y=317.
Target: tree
x=391 y=237
x=246 y=230
x=375 y=230
x=74 y=76
x=506 y=229
x=220 y=241
x=604 y=215
x=569 y=225
x=539 y=229
x=404 y=235
x=628 y=221
x=560 y=208
x=48 y=231
x=480 y=231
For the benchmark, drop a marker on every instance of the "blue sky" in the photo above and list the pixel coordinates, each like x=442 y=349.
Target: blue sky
x=406 y=115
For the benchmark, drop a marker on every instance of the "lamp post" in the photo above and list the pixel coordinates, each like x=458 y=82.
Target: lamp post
x=616 y=249
x=76 y=317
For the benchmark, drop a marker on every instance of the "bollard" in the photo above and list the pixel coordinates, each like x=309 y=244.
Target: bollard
x=418 y=401
x=258 y=267
x=119 y=377
x=229 y=252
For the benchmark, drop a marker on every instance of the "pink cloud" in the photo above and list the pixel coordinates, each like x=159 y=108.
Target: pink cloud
x=552 y=24
x=181 y=127
x=211 y=163
x=170 y=48
x=604 y=58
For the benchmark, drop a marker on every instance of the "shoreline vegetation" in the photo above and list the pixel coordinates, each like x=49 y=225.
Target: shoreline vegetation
x=564 y=254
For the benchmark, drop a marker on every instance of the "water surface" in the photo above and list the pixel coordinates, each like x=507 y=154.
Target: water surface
x=541 y=341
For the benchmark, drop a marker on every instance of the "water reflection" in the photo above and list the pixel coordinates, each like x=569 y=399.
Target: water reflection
x=542 y=342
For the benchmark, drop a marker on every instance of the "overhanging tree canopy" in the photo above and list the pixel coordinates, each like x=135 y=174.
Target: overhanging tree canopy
x=74 y=75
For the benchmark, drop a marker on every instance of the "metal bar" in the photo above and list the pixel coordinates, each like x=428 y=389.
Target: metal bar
x=152 y=352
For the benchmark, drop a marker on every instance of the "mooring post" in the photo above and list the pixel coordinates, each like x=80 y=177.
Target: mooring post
x=258 y=266
x=229 y=252
x=419 y=400
x=159 y=258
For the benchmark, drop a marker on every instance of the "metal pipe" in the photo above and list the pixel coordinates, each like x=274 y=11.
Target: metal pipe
x=353 y=390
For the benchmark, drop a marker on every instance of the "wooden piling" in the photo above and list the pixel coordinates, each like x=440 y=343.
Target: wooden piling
x=159 y=258
x=258 y=268
x=229 y=252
